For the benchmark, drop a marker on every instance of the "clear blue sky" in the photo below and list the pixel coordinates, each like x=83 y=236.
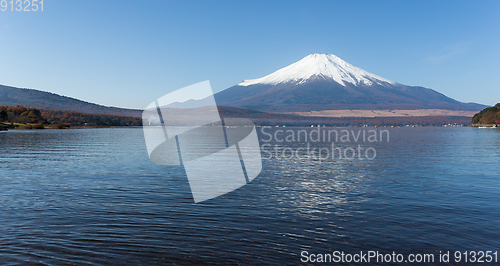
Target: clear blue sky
x=128 y=53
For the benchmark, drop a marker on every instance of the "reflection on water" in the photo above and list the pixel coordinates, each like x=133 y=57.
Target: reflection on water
x=92 y=196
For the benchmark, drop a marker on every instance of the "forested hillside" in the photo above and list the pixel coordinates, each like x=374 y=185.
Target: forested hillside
x=490 y=115
x=12 y=96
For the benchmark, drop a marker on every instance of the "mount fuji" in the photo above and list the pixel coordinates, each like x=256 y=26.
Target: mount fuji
x=321 y=82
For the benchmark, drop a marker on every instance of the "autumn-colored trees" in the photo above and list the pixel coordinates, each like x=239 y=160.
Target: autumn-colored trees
x=75 y=118
x=32 y=116
x=489 y=115
x=21 y=114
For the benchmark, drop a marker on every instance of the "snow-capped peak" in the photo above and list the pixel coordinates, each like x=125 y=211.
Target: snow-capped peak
x=327 y=66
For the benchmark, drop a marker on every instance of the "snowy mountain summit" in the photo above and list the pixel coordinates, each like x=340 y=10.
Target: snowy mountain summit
x=320 y=66
x=325 y=82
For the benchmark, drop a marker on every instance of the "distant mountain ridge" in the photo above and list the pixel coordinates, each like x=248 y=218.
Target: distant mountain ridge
x=12 y=96
x=326 y=82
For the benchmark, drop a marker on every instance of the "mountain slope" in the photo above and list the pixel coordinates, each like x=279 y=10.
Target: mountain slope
x=11 y=96
x=326 y=82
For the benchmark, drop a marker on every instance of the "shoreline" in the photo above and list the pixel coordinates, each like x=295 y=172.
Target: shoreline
x=30 y=127
x=486 y=125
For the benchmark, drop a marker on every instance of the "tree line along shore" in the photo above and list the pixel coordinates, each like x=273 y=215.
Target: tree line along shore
x=21 y=117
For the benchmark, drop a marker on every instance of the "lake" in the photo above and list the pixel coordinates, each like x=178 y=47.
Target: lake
x=92 y=196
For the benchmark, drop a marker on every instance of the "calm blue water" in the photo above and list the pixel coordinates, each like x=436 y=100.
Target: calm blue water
x=91 y=196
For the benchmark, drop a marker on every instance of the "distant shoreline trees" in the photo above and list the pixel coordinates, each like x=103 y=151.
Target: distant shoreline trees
x=25 y=117
x=13 y=116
